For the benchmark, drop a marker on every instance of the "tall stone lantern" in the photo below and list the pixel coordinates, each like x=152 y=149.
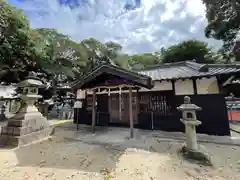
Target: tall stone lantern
x=30 y=88
x=28 y=124
x=189 y=119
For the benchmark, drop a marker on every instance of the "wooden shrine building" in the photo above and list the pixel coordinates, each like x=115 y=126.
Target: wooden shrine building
x=110 y=78
x=147 y=99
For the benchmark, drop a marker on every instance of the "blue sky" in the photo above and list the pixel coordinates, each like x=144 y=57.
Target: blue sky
x=138 y=25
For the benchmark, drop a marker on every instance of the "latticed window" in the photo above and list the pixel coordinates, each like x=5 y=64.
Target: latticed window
x=153 y=102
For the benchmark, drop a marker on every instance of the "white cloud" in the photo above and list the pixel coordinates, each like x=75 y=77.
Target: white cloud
x=153 y=24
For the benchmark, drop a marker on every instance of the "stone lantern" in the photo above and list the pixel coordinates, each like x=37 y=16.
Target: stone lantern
x=190 y=121
x=30 y=88
x=28 y=124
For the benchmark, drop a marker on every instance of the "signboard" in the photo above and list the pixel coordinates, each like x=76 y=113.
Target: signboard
x=81 y=94
x=78 y=104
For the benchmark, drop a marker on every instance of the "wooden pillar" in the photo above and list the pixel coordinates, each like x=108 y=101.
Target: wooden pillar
x=120 y=103
x=173 y=87
x=220 y=85
x=93 y=110
x=130 y=113
x=10 y=105
x=138 y=103
x=194 y=86
x=109 y=105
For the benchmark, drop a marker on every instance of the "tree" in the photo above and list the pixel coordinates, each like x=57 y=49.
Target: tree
x=93 y=49
x=122 y=60
x=188 y=50
x=17 y=47
x=112 y=50
x=23 y=49
x=144 y=60
x=63 y=57
x=223 y=22
x=64 y=60
x=99 y=53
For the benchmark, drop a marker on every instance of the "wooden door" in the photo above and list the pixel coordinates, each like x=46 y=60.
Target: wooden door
x=122 y=117
x=114 y=108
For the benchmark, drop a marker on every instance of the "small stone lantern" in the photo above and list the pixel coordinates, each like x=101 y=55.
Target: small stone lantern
x=190 y=121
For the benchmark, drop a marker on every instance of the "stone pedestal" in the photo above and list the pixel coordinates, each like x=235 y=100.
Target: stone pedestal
x=28 y=124
x=191 y=136
x=2 y=113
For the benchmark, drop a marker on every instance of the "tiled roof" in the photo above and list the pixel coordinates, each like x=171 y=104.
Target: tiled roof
x=187 y=69
x=109 y=69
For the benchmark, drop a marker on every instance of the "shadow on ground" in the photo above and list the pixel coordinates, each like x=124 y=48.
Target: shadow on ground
x=84 y=151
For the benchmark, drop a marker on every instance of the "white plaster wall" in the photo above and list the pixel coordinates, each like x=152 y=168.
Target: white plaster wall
x=207 y=86
x=181 y=88
x=159 y=86
x=184 y=87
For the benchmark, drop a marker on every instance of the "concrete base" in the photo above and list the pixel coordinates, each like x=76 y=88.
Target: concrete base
x=197 y=156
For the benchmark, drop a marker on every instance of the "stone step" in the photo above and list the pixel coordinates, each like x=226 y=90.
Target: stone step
x=26 y=122
x=17 y=141
x=20 y=131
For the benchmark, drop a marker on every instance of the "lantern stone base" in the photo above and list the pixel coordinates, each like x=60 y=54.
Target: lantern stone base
x=26 y=126
x=198 y=156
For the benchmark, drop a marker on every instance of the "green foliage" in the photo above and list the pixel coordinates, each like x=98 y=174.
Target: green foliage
x=223 y=22
x=122 y=60
x=188 y=50
x=112 y=50
x=146 y=59
x=94 y=51
x=61 y=54
x=61 y=59
x=17 y=48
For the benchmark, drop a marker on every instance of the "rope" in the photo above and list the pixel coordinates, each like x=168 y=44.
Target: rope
x=113 y=87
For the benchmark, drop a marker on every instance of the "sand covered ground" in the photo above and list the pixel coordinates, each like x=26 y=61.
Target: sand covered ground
x=58 y=158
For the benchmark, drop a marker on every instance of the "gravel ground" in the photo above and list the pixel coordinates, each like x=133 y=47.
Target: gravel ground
x=235 y=127
x=60 y=159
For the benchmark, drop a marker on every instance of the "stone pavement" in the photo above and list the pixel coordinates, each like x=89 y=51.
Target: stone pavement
x=119 y=135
